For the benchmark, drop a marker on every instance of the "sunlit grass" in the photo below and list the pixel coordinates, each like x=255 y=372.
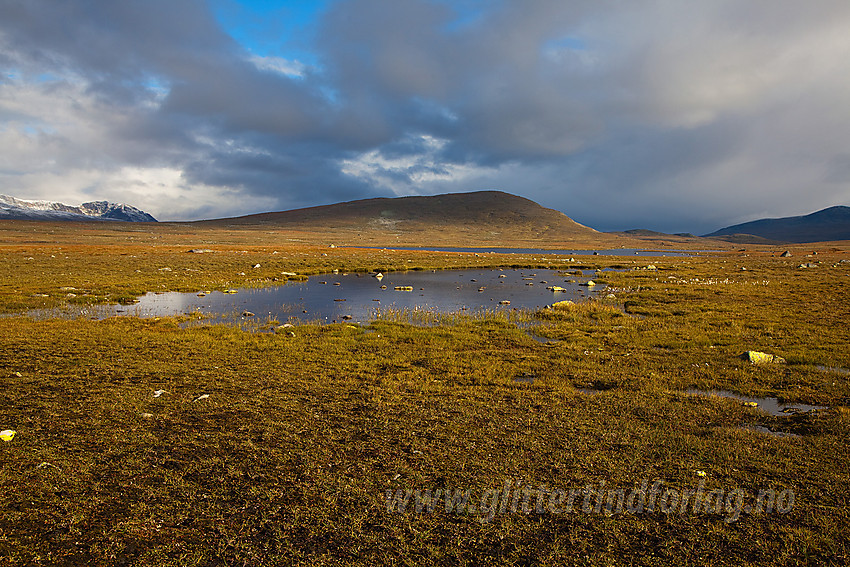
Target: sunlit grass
x=305 y=427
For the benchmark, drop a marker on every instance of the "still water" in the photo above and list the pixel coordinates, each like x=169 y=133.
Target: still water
x=358 y=296
x=545 y=252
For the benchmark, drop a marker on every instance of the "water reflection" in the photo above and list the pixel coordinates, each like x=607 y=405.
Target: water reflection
x=358 y=296
x=770 y=405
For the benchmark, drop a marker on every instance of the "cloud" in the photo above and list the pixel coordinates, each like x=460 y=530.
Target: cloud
x=642 y=114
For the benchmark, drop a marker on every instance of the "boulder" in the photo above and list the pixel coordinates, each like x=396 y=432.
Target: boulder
x=786 y=254
x=756 y=357
x=562 y=304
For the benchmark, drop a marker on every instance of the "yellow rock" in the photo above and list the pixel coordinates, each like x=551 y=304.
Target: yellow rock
x=562 y=304
x=751 y=404
x=757 y=357
x=558 y=288
x=7 y=434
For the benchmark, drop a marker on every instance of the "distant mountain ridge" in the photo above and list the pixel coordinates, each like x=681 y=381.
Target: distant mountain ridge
x=825 y=225
x=480 y=217
x=21 y=209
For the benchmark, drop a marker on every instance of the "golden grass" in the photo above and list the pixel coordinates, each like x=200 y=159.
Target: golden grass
x=289 y=458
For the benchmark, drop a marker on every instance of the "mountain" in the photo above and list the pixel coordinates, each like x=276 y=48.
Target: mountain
x=13 y=208
x=821 y=226
x=646 y=233
x=462 y=219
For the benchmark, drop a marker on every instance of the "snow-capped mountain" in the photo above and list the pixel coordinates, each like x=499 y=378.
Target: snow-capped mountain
x=14 y=208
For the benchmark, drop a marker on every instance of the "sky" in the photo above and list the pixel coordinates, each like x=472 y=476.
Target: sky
x=670 y=115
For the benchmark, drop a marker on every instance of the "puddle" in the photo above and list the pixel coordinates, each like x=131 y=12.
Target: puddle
x=525 y=378
x=836 y=369
x=766 y=431
x=769 y=405
x=359 y=297
x=543 y=252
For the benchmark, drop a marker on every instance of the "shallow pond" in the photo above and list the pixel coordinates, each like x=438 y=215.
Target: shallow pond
x=770 y=405
x=358 y=296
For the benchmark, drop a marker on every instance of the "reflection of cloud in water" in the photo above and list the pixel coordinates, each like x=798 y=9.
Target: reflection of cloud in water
x=440 y=291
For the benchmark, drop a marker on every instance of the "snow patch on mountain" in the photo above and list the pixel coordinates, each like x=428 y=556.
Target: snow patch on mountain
x=14 y=208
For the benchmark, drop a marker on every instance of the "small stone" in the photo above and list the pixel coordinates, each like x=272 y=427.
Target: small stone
x=756 y=357
x=247 y=314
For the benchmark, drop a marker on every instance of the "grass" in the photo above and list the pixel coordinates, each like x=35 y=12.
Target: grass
x=289 y=459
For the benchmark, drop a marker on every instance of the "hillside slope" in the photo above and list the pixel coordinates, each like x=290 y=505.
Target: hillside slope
x=821 y=226
x=479 y=218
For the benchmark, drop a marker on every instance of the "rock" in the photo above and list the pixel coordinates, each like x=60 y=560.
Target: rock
x=346 y=317
x=558 y=288
x=563 y=304
x=504 y=302
x=199 y=251
x=751 y=404
x=589 y=283
x=757 y=357
x=247 y=314
x=786 y=254
x=256 y=266
x=231 y=291
x=808 y=265
x=503 y=276
x=379 y=276
x=201 y=397
x=652 y=267
x=7 y=434
x=147 y=415
x=158 y=393
x=610 y=296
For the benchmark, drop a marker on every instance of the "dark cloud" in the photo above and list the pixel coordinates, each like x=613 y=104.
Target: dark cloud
x=680 y=117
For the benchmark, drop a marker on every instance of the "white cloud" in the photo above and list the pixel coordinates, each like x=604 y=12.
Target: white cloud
x=162 y=192
x=411 y=173
x=290 y=68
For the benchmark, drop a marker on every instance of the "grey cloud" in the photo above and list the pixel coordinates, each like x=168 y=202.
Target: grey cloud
x=672 y=116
